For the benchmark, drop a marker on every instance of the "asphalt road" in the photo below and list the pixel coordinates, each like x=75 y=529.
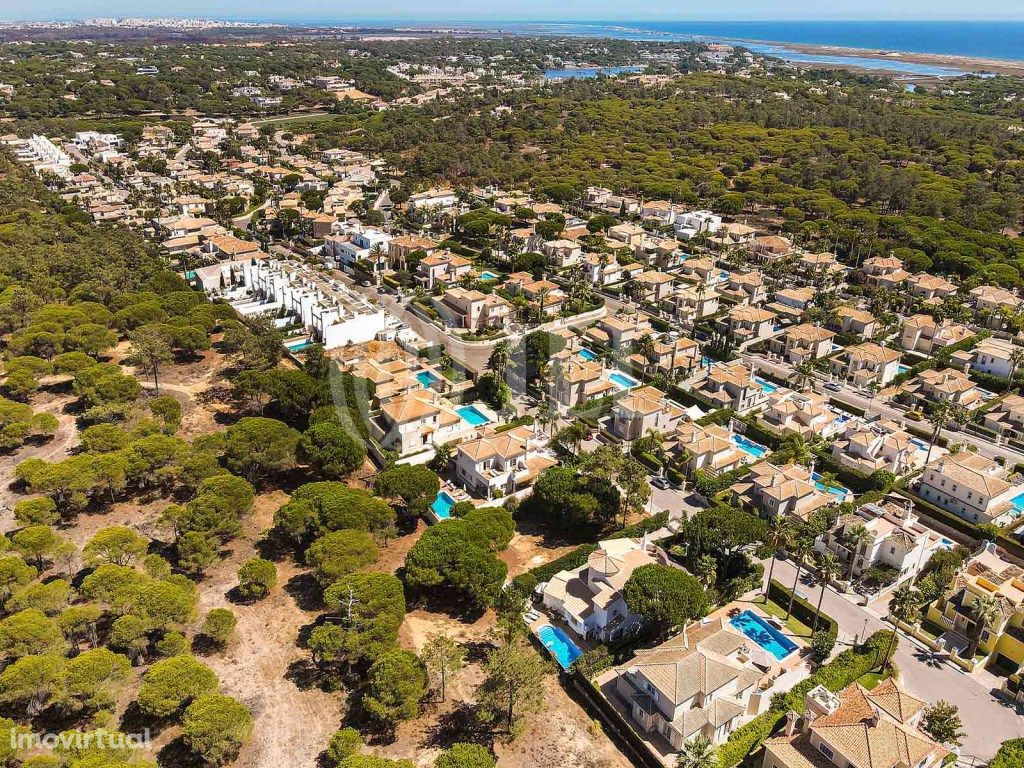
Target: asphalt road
x=987 y=720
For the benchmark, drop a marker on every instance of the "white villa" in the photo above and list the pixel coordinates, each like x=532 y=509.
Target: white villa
x=501 y=464
x=892 y=535
x=589 y=598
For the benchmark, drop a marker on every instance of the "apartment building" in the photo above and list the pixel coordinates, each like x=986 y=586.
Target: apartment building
x=889 y=534
x=332 y=314
x=643 y=410
x=701 y=683
x=433 y=198
x=855 y=728
x=880 y=445
x=589 y=598
x=970 y=486
x=802 y=343
x=867 y=363
x=689 y=225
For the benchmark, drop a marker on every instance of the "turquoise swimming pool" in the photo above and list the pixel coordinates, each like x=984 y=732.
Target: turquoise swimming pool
x=587 y=355
x=442 y=505
x=559 y=645
x=622 y=380
x=471 y=414
x=749 y=446
x=426 y=378
x=488 y=276
x=764 y=634
x=766 y=385
x=298 y=345
x=835 y=490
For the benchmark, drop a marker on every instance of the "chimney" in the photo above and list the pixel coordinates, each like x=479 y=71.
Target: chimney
x=792 y=718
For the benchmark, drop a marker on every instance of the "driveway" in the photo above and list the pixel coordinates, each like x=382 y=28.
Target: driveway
x=986 y=719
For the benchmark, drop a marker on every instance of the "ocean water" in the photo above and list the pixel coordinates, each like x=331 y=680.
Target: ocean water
x=980 y=39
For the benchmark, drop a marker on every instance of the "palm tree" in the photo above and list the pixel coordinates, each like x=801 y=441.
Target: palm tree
x=799 y=451
x=828 y=569
x=985 y=611
x=853 y=538
x=698 y=753
x=547 y=417
x=706 y=571
x=778 y=537
x=500 y=357
x=941 y=415
x=802 y=547
x=904 y=606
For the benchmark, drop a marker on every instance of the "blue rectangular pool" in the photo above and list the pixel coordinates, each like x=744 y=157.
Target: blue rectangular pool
x=835 y=490
x=587 y=355
x=426 y=378
x=1018 y=504
x=749 y=446
x=766 y=385
x=488 y=276
x=622 y=380
x=442 y=505
x=470 y=414
x=559 y=645
x=764 y=634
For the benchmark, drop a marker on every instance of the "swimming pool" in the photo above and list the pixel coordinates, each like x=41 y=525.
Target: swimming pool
x=766 y=385
x=749 y=446
x=488 y=276
x=296 y=345
x=426 y=378
x=559 y=645
x=1018 y=504
x=442 y=506
x=471 y=414
x=903 y=368
x=835 y=490
x=623 y=380
x=587 y=355
x=764 y=634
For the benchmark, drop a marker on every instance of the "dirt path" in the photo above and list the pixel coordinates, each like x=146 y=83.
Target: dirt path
x=293 y=726
x=54 y=449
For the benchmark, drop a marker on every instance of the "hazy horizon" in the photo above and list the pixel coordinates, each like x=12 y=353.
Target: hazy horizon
x=580 y=11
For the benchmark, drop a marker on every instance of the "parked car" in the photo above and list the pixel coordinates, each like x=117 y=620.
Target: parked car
x=834 y=386
x=662 y=482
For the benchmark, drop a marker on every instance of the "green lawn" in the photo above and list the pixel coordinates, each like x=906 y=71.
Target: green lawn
x=793 y=624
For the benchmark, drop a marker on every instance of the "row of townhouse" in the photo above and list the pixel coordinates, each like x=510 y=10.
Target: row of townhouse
x=332 y=314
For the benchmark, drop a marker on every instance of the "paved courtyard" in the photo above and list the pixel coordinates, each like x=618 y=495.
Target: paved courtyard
x=987 y=720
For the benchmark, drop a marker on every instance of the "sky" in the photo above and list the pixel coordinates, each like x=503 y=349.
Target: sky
x=523 y=10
